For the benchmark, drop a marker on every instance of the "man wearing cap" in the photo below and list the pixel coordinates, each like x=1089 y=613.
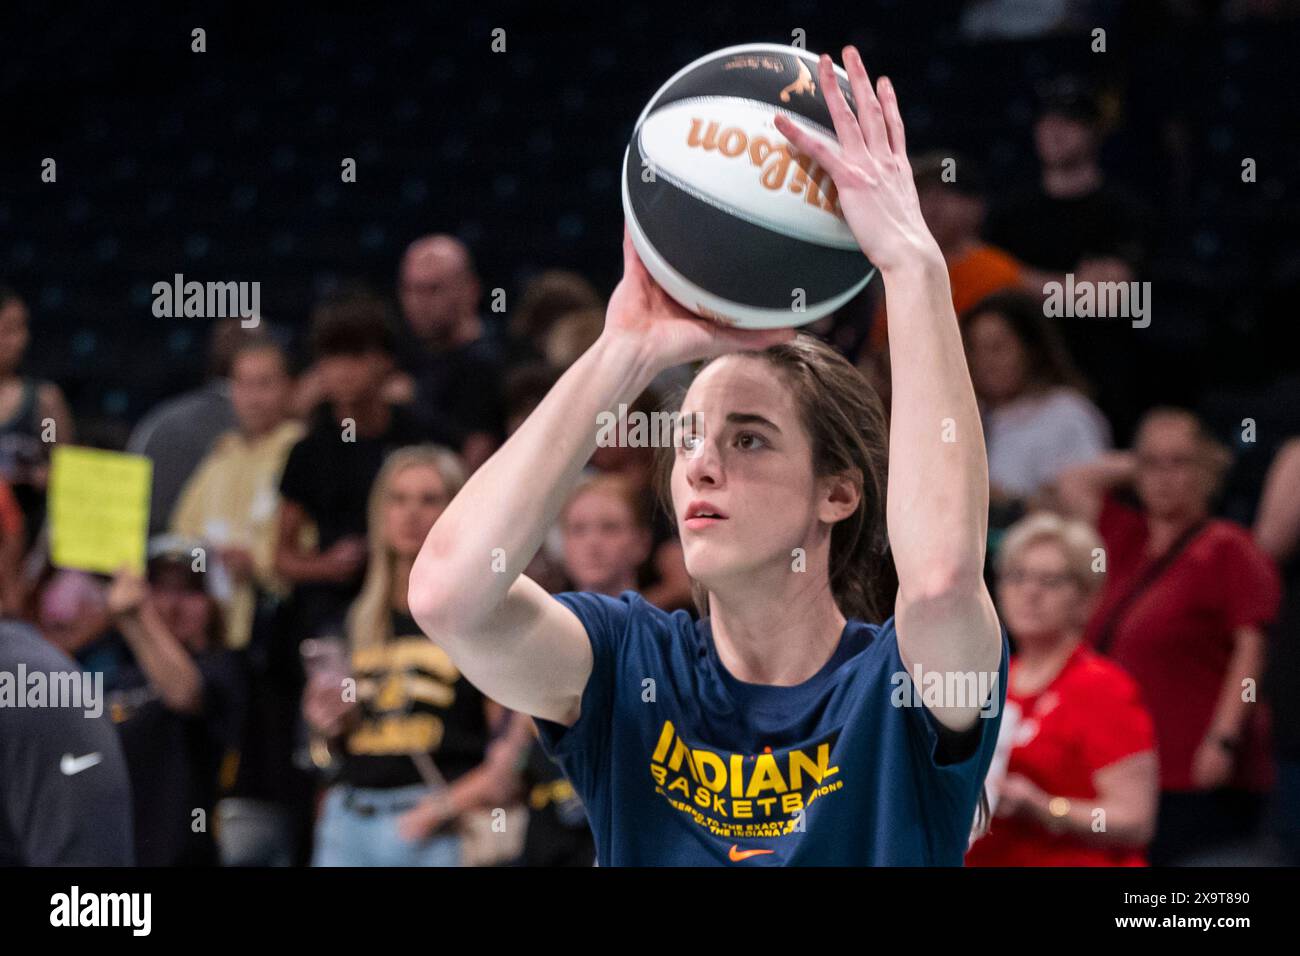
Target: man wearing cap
x=177 y=698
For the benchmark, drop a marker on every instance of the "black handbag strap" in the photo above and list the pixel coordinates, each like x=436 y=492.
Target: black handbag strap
x=1106 y=633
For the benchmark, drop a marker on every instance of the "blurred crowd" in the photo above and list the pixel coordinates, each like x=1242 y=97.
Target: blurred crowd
x=1151 y=712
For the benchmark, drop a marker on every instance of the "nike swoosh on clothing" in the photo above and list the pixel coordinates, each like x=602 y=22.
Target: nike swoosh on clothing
x=72 y=765
x=736 y=854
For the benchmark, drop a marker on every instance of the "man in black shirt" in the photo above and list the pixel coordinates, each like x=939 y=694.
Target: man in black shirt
x=65 y=799
x=328 y=474
x=1073 y=221
x=454 y=360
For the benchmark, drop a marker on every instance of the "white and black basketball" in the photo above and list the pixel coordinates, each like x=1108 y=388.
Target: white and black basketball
x=728 y=217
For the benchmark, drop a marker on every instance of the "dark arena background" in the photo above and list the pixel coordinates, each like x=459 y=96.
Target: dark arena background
x=303 y=152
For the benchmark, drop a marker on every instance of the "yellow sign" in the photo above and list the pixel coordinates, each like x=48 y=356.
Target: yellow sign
x=98 y=509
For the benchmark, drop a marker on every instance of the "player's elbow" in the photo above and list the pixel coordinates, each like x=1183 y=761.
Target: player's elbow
x=437 y=602
x=943 y=582
x=428 y=604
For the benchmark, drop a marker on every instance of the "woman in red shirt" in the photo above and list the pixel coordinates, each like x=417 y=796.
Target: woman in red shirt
x=1185 y=607
x=1081 y=778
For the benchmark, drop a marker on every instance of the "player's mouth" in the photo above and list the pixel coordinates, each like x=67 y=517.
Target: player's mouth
x=703 y=514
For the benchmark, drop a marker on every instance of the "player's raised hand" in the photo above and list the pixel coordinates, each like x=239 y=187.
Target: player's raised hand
x=668 y=334
x=869 y=167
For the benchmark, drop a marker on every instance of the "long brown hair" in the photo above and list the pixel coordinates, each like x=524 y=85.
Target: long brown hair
x=845 y=420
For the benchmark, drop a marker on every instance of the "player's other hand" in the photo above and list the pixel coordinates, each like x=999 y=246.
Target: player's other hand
x=869 y=166
x=642 y=314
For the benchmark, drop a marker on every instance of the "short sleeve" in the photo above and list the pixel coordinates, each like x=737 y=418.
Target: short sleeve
x=581 y=748
x=295 y=481
x=955 y=764
x=1117 y=723
x=1248 y=583
x=953 y=753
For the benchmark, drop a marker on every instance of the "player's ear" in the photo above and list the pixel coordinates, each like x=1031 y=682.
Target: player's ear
x=841 y=494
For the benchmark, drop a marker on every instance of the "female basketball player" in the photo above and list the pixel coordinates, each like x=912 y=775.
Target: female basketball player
x=782 y=728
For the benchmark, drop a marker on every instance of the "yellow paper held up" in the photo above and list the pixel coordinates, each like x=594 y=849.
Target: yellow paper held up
x=98 y=509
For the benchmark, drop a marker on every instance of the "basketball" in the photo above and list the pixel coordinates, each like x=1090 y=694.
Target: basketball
x=728 y=217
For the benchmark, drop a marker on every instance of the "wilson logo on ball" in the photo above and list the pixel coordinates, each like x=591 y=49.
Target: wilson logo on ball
x=809 y=178
x=734 y=219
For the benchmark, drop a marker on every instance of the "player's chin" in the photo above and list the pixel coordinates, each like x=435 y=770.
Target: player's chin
x=707 y=560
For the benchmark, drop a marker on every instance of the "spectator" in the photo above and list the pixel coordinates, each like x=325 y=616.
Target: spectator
x=414 y=740
x=606 y=530
x=33 y=414
x=328 y=474
x=179 y=432
x=1080 y=739
x=545 y=299
x=606 y=538
x=571 y=335
x=1186 y=604
x=1073 y=221
x=952 y=192
x=453 y=364
x=1277 y=532
x=1037 y=418
x=177 y=700
x=72 y=613
x=65 y=799
x=232 y=498
x=663 y=579
x=231 y=501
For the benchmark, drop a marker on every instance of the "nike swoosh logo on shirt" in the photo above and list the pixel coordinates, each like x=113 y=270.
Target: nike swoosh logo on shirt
x=71 y=765
x=736 y=854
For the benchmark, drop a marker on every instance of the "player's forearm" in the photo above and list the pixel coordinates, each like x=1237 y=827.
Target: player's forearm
x=937 y=508
x=495 y=525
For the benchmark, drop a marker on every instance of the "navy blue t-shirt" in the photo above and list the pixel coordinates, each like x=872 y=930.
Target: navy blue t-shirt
x=680 y=764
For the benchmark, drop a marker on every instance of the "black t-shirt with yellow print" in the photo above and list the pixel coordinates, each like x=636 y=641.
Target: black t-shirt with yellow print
x=412 y=700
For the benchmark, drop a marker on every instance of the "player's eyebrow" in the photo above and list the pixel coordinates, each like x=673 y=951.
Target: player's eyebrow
x=751 y=418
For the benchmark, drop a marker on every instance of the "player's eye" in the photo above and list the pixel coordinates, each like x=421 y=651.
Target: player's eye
x=750 y=440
